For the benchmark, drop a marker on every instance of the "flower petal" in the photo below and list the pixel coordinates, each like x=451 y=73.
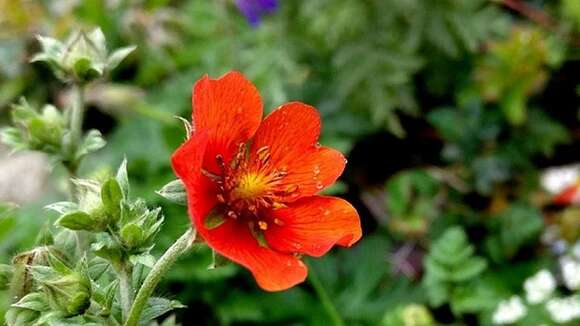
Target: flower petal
x=312 y=225
x=291 y=133
x=272 y=270
x=230 y=109
x=187 y=162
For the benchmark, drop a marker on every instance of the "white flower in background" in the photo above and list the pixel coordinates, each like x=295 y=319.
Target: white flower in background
x=570 y=272
x=509 y=311
x=563 y=310
x=576 y=250
x=539 y=287
x=556 y=179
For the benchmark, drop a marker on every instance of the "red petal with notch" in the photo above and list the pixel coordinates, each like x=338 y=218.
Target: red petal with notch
x=312 y=225
x=291 y=132
x=229 y=109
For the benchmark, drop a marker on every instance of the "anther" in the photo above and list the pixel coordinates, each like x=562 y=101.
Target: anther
x=263 y=225
x=232 y=214
x=263 y=154
x=220 y=161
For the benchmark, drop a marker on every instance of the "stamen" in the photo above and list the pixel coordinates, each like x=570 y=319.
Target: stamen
x=232 y=214
x=220 y=161
x=263 y=155
x=263 y=225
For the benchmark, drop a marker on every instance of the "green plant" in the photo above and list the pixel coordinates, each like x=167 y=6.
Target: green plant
x=451 y=268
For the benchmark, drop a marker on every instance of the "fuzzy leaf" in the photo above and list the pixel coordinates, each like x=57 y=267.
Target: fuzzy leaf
x=174 y=191
x=78 y=221
x=158 y=307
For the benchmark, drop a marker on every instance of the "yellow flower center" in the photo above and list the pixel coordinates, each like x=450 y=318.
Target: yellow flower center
x=250 y=185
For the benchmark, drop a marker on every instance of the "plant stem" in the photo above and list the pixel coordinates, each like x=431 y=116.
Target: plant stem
x=125 y=289
x=324 y=298
x=77 y=114
x=77 y=111
x=157 y=272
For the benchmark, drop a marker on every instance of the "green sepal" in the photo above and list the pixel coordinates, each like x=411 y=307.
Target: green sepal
x=213 y=220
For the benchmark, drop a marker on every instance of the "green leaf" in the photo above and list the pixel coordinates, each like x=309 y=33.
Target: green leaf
x=468 y=269
x=62 y=207
x=33 y=301
x=158 y=307
x=174 y=191
x=92 y=142
x=123 y=178
x=119 y=55
x=77 y=221
x=112 y=195
x=145 y=259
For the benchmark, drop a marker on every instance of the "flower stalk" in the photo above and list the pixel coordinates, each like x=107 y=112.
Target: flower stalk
x=327 y=304
x=160 y=268
x=125 y=289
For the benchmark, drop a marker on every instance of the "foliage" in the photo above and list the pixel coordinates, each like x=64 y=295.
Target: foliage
x=450 y=268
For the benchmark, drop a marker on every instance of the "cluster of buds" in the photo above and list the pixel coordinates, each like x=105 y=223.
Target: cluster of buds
x=34 y=130
x=82 y=58
x=126 y=226
x=63 y=292
x=47 y=130
x=66 y=290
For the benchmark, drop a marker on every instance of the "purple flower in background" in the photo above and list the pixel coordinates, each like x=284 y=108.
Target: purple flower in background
x=255 y=9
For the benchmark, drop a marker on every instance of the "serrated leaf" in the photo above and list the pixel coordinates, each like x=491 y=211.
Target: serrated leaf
x=158 y=307
x=147 y=260
x=468 y=269
x=174 y=191
x=97 y=268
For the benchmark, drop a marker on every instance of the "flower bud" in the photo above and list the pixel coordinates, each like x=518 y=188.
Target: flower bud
x=70 y=294
x=82 y=58
x=67 y=291
x=35 y=130
x=139 y=226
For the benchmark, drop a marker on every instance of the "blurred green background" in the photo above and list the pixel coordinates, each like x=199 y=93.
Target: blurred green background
x=448 y=110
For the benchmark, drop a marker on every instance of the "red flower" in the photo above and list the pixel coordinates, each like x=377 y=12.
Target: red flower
x=252 y=184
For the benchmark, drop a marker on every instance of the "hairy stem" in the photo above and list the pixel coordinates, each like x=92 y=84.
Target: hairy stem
x=76 y=114
x=125 y=289
x=327 y=304
x=160 y=268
